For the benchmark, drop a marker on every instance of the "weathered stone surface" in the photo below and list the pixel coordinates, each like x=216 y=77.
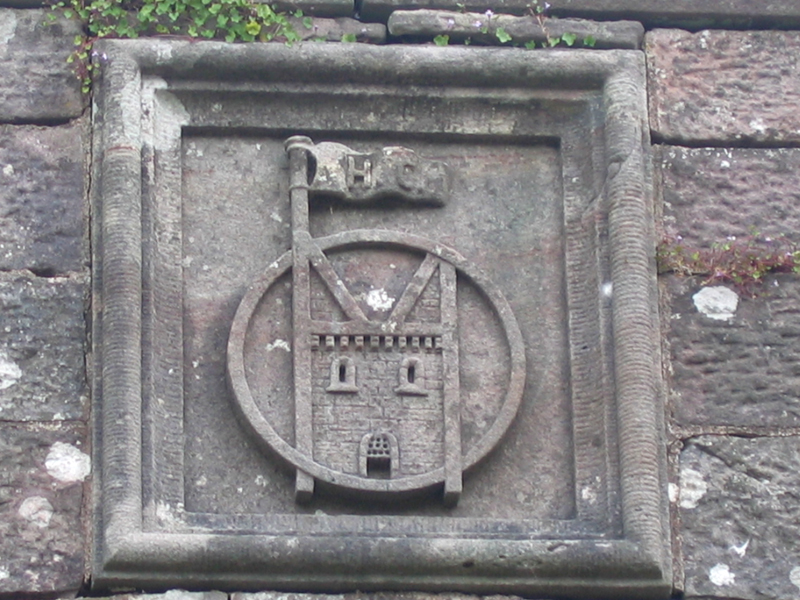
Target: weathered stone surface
x=42 y=375
x=479 y=27
x=740 y=511
x=36 y=83
x=21 y=3
x=710 y=194
x=318 y=8
x=336 y=30
x=171 y=595
x=724 y=86
x=42 y=214
x=364 y=596
x=735 y=360
x=41 y=494
x=686 y=13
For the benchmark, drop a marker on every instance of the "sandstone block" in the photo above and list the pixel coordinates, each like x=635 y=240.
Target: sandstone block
x=41 y=494
x=709 y=194
x=335 y=30
x=171 y=595
x=481 y=28
x=42 y=214
x=36 y=83
x=724 y=86
x=318 y=8
x=740 y=513
x=42 y=375
x=686 y=13
x=735 y=360
x=365 y=596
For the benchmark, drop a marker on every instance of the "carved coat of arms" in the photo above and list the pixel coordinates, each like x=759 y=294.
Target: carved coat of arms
x=376 y=382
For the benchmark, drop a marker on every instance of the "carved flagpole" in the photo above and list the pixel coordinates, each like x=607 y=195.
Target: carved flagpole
x=296 y=148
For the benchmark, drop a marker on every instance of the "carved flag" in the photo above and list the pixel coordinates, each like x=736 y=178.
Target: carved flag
x=391 y=173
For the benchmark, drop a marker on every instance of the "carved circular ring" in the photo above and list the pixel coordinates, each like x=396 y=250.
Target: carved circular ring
x=265 y=433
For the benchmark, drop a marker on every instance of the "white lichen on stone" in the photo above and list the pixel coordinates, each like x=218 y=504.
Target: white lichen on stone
x=37 y=510
x=758 y=125
x=280 y=344
x=4 y=574
x=67 y=463
x=167 y=515
x=794 y=576
x=720 y=575
x=8 y=25
x=718 y=302
x=8 y=170
x=692 y=488
x=379 y=300
x=10 y=373
x=740 y=550
x=674 y=492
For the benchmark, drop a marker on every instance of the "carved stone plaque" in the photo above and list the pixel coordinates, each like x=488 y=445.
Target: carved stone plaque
x=376 y=378
x=376 y=319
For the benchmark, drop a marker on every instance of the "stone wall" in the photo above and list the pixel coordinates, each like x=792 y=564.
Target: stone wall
x=725 y=126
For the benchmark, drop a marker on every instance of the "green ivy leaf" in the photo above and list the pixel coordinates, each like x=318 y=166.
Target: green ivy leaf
x=441 y=40
x=569 y=38
x=589 y=41
x=253 y=28
x=502 y=35
x=349 y=38
x=530 y=45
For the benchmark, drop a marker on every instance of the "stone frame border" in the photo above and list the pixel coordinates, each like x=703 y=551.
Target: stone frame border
x=125 y=555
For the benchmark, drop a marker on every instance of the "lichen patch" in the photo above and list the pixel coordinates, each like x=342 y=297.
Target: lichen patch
x=717 y=302
x=66 y=463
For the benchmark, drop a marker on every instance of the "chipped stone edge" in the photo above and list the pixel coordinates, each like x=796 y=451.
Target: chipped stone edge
x=637 y=566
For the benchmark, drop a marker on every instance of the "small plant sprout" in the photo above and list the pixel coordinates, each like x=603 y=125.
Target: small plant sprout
x=229 y=20
x=441 y=40
x=741 y=261
x=569 y=39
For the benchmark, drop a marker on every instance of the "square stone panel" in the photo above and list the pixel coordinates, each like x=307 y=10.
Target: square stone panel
x=376 y=318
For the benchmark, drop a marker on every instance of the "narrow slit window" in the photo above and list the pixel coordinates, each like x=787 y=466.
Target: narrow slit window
x=411 y=377
x=343 y=376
